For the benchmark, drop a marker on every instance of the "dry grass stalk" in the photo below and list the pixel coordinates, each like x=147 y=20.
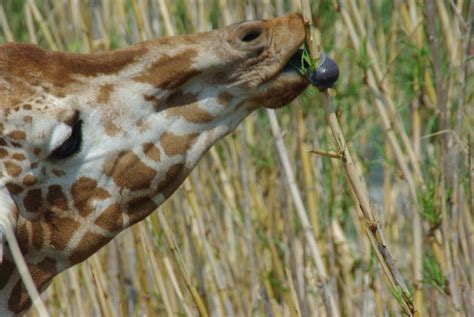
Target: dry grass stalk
x=182 y=267
x=331 y=308
x=6 y=28
x=375 y=232
x=7 y=231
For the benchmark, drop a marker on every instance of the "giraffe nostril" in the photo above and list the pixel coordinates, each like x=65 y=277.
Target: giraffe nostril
x=251 y=35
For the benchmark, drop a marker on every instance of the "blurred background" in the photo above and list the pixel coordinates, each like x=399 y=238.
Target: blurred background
x=230 y=242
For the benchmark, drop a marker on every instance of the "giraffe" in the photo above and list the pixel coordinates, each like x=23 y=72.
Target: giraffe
x=91 y=144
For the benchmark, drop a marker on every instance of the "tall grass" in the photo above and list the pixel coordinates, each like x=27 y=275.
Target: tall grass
x=237 y=238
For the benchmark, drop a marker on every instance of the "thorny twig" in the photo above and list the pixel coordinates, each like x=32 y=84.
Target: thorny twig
x=374 y=231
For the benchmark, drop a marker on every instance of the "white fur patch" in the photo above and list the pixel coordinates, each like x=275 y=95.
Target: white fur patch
x=60 y=133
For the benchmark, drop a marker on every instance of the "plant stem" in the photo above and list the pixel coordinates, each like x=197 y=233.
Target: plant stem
x=374 y=231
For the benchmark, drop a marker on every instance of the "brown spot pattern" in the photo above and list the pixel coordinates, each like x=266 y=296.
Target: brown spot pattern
x=151 y=151
x=64 y=229
x=174 y=177
x=83 y=191
x=172 y=174
x=37 y=151
x=12 y=169
x=224 y=98
x=29 y=180
x=60 y=69
x=156 y=102
x=109 y=163
x=177 y=144
x=56 y=197
x=180 y=98
x=140 y=207
x=23 y=235
x=37 y=234
x=3 y=153
x=279 y=93
x=41 y=274
x=19 y=156
x=57 y=172
x=104 y=93
x=32 y=201
x=88 y=245
x=6 y=270
x=19 y=299
x=191 y=113
x=14 y=189
x=111 y=218
x=43 y=271
x=111 y=129
x=185 y=105
x=130 y=172
x=142 y=125
x=17 y=135
x=170 y=72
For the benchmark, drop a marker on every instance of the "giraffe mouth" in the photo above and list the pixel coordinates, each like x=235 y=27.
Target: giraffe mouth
x=289 y=80
x=286 y=84
x=296 y=62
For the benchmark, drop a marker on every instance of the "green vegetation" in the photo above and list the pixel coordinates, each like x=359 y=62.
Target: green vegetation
x=432 y=274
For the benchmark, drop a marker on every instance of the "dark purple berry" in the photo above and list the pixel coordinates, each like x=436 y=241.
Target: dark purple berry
x=325 y=74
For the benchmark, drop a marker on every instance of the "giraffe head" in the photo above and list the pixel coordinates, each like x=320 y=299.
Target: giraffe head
x=91 y=144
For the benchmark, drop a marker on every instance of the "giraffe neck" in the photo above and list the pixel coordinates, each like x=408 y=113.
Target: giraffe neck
x=185 y=122
x=92 y=144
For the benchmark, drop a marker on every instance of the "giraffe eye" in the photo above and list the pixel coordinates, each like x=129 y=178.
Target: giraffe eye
x=72 y=145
